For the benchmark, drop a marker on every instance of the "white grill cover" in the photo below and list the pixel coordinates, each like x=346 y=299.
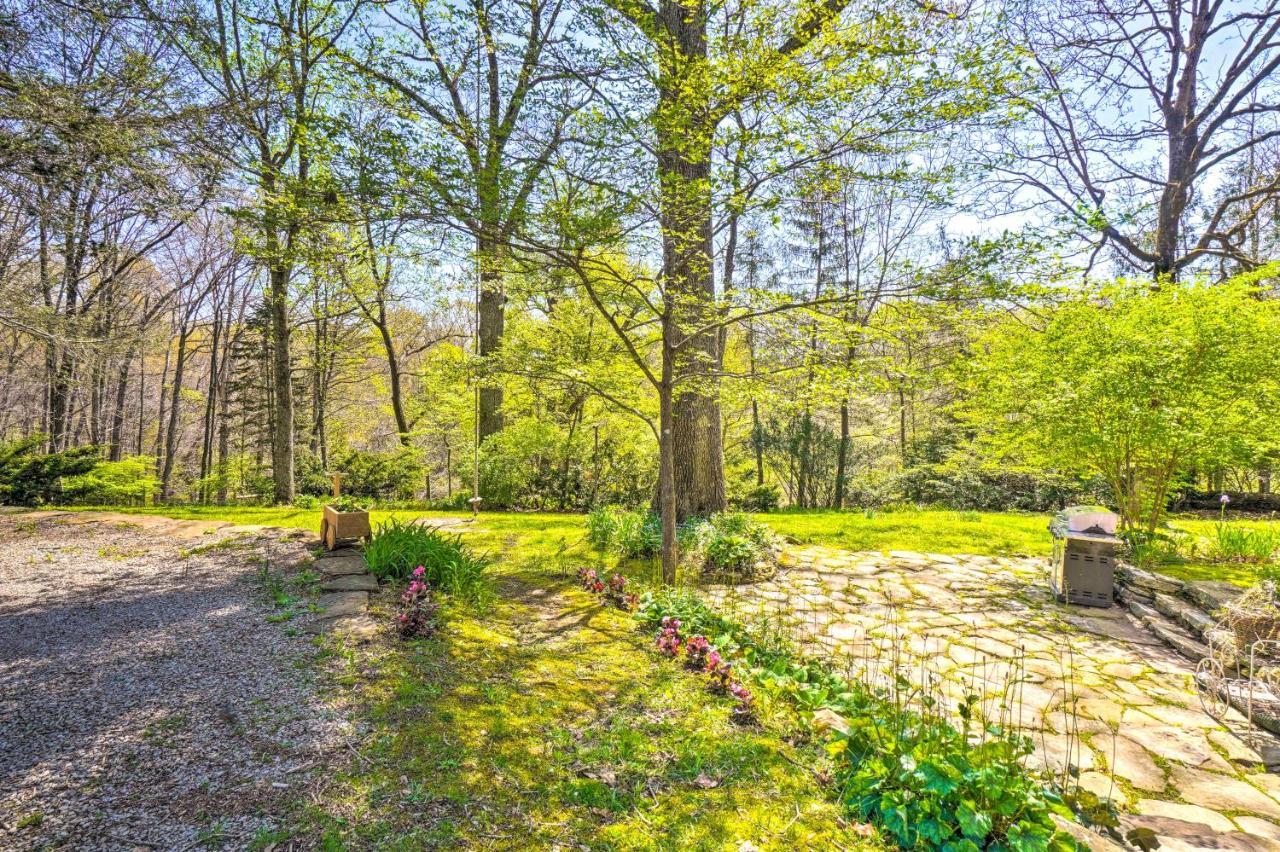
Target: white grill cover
x=1081 y=521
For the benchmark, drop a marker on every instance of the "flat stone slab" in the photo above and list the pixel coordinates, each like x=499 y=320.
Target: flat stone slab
x=1181 y=835
x=338 y=604
x=341 y=565
x=1212 y=595
x=357 y=628
x=1147 y=580
x=350 y=583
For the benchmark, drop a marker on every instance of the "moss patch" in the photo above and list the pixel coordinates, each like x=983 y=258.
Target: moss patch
x=544 y=719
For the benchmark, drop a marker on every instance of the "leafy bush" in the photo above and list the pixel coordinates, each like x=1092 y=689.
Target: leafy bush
x=30 y=478
x=966 y=485
x=395 y=475
x=1149 y=549
x=932 y=786
x=307 y=501
x=729 y=542
x=759 y=498
x=349 y=503
x=130 y=480
x=630 y=533
x=449 y=566
x=929 y=784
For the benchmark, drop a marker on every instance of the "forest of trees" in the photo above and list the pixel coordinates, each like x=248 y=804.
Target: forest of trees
x=639 y=250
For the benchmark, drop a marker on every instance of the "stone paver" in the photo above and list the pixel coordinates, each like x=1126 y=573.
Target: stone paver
x=977 y=624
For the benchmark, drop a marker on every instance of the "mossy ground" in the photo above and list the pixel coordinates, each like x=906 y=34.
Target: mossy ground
x=543 y=720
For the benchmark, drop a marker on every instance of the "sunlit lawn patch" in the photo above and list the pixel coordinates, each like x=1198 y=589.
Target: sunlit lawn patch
x=560 y=537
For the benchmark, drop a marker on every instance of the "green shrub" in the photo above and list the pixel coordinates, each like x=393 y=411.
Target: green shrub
x=630 y=533
x=131 y=480
x=932 y=786
x=392 y=476
x=1152 y=549
x=759 y=498
x=398 y=547
x=307 y=501
x=730 y=542
x=31 y=478
x=348 y=503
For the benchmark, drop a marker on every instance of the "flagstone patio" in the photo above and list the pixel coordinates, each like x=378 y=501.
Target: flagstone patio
x=1092 y=687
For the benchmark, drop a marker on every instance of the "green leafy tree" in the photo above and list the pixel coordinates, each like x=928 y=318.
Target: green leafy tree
x=1133 y=385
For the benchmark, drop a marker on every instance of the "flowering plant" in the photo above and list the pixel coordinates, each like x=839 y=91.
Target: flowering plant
x=744 y=710
x=696 y=651
x=618 y=594
x=416 y=618
x=669 y=638
x=587 y=577
x=720 y=672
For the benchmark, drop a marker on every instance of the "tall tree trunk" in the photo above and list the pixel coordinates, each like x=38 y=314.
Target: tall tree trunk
x=282 y=381
x=491 y=320
x=171 y=437
x=142 y=399
x=684 y=136
x=160 y=402
x=397 y=394
x=319 y=335
x=667 y=495
x=224 y=432
x=210 y=407
x=60 y=401
x=118 y=409
x=842 y=456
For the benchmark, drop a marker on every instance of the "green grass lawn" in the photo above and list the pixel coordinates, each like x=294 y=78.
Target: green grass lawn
x=927 y=530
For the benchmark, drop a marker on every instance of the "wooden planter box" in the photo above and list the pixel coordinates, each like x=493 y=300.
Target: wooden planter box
x=336 y=527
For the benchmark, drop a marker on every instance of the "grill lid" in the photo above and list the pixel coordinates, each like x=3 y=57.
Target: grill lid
x=1085 y=519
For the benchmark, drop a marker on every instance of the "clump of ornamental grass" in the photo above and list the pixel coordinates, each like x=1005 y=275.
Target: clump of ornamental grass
x=449 y=566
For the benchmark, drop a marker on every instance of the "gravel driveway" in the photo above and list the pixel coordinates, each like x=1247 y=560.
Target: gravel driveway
x=145 y=701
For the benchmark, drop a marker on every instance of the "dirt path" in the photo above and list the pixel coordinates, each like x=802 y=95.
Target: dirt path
x=147 y=702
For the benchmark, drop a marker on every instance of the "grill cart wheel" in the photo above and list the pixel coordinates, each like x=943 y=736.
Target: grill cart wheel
x=1211 y=684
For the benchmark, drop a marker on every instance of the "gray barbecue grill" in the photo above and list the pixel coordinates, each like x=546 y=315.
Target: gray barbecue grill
x=1084 y=555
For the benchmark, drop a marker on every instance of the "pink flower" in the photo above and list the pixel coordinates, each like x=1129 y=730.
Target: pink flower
x=418 y=572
